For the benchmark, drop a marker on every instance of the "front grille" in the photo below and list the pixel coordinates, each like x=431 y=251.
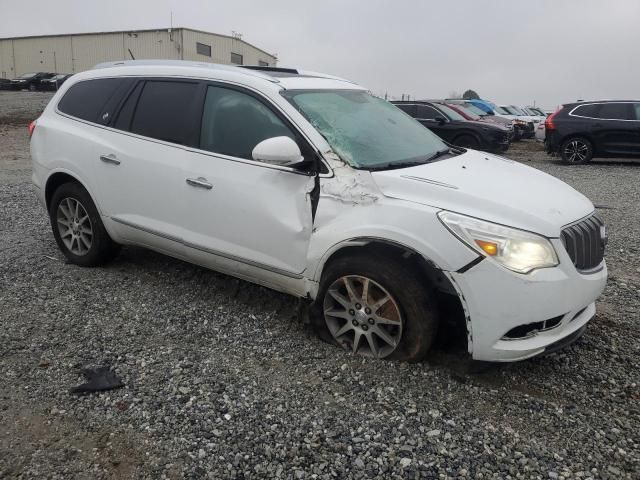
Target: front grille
x=585 y=242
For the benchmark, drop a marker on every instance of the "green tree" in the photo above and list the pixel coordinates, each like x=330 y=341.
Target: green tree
x=470 y=95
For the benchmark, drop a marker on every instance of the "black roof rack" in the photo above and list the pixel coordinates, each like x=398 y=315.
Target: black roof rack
x=270 y=69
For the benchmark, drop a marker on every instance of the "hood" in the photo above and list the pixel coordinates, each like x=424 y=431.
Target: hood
x=489 y=187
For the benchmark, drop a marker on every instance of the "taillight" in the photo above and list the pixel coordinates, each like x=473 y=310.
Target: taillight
x=32 y=127
x=548 y=123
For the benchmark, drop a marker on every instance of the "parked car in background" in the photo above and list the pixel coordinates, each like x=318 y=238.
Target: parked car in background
x=521 y=126
x=469 y=112
x=54 y=82
x=540 y=132
x=30 y=81
x=455 y=129
x=537 y=111
x=329 y=194
x=529 y=121
x=580 y=131
x=5 y=84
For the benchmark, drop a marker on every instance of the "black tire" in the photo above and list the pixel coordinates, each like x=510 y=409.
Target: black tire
x=576 y=151
x=467 y=141
x=102 y=248
x=416 y=302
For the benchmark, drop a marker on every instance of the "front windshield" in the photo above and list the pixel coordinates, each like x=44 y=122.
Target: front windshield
x=365 y=131
x=27 y=75
x=451 y=113
x=517 y=110
x=501 y=110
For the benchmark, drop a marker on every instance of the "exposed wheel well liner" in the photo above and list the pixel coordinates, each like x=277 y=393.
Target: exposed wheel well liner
x=54 y=181
x=450 y=304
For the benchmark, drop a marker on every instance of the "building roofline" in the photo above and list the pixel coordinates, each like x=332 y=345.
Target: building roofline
x=136 y=30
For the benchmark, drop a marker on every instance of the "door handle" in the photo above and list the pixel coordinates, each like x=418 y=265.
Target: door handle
x=111 y=158
x=200 y=182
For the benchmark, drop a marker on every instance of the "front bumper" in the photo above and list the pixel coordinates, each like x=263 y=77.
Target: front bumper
x=497 y=300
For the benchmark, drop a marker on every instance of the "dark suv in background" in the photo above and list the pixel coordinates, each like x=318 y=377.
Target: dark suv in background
x=580 y=131
x=455 y=129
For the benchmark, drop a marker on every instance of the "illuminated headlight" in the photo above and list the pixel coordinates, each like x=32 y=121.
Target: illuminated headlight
x=515 y=249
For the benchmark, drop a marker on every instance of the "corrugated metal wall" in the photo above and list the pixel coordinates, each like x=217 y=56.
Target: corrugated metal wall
x=221 y=49
x=75 y=53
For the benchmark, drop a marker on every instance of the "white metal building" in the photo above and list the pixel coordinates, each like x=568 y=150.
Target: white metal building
x=76 y=52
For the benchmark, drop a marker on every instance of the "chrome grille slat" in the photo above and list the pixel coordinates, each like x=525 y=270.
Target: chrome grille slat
x=584 y=243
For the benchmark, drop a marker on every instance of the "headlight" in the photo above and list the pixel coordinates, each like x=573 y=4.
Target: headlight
x=515 y=249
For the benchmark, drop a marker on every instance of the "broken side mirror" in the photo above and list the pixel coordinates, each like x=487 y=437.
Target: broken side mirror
x=281 y=151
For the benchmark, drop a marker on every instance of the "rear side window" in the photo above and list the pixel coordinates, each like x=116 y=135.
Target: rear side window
x=586 y=111
x=615 y=111
x=87 y=100
x=410 y=109
x=233 y=123
x=428 y=113
x=166 y=111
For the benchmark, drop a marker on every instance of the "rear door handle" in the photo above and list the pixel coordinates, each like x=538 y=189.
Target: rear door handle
x=200 y=182
x=111 y=158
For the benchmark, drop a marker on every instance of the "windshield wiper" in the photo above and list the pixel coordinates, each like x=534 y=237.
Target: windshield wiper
x=421 y=161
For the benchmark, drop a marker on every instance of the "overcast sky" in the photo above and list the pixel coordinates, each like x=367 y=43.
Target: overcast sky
x=547 y=51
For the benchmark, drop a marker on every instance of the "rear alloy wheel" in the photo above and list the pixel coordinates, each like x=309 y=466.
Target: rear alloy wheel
x=78 y=228
x=577 y=151
x=363 y=316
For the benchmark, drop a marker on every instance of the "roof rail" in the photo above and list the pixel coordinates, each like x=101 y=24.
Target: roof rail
x=270 y=69
x=186 y=63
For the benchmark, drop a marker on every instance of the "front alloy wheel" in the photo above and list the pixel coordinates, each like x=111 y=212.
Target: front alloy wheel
x=362 y=316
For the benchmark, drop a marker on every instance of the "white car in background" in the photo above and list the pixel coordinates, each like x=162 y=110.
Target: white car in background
x=308 y=184
x=540 y=132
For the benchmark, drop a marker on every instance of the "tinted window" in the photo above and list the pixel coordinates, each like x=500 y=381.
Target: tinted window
x=410 y=109
x=233 y=123
x=587 y=111
x=165 y=111
x=614 y=111
x=123 y=121
x=87 y=99
x=427 y=112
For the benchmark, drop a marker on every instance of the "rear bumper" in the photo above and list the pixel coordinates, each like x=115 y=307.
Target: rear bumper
x=497 y=300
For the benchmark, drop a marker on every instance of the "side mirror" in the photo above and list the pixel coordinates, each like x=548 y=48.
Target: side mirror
x=280 y=151
x=440 y=120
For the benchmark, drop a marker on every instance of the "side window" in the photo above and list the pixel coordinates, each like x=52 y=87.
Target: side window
x=166 y=111
x=233 y=123
x=123 y=120
x=428 y=113
x=586 y=111
x=615 y=111
x=87 y=99
x=410 y=109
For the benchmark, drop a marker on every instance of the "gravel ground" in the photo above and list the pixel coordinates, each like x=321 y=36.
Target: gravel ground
x=223 y=380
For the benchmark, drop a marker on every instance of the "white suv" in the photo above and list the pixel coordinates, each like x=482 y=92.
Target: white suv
x=308 y=184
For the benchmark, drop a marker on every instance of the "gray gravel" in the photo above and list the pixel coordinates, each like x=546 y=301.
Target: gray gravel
x=223 y=380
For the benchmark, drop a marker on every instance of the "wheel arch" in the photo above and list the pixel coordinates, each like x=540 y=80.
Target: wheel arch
x=60 y=177
x=469 y=133
x=451 y=303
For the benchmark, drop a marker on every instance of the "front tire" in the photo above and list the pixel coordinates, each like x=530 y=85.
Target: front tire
x=78 y=228
x=467 y=141
x=376 y=307
x=576 y=151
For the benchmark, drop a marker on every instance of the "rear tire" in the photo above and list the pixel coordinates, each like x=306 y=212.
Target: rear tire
x=78 y=228
x=401 y=328
x=576 y=151
x=467 y=141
